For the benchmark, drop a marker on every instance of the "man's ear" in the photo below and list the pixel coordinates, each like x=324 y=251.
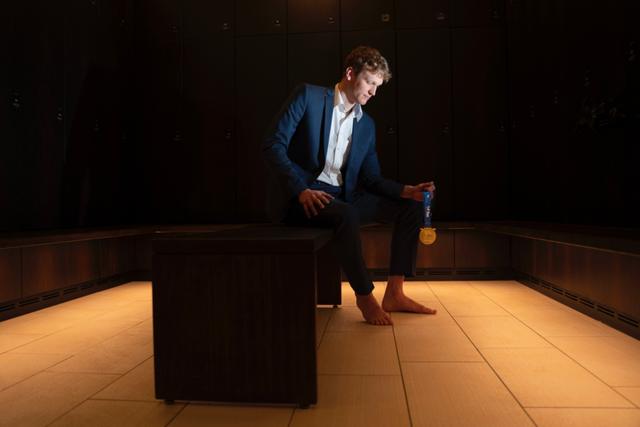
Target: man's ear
x=349 y=74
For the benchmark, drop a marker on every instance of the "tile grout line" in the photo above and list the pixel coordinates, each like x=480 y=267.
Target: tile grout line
x=404 y=385
x=482 y=355
x=177 y=413
x=612 y=388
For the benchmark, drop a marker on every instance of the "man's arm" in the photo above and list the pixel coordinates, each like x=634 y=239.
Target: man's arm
x=278 y=138
x=373 y=180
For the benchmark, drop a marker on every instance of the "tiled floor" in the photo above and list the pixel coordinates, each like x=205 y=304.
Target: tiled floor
x=496 y=354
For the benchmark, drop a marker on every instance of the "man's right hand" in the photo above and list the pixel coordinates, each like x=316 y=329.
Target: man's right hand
x=314 y=200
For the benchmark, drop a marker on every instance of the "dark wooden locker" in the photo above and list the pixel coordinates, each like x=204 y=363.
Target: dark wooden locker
x=367 y=14
x=422 y=14
x=309 y=16
x=425 y=149
x=161 y=130
x=313 y=58
x=10 y=280
x=477 y=13
x=261 y=89
x=479 y=124
x=83 y=82
x=157 y=18
x=36 y=93
x=261 y=17
x=208 y=110
x=7 y=132
x=382 y=107
x=203 y=17
x=107 y=203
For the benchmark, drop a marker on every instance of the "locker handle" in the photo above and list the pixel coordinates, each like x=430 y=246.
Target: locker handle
x=445 y=129
x=441 y=16
x=385 y=17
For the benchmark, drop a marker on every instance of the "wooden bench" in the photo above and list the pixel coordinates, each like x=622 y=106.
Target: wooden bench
x=234 y=313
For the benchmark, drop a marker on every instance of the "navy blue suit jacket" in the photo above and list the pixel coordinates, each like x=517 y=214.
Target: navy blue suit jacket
x=295 y=150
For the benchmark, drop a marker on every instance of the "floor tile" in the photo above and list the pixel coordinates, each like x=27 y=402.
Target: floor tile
x=356 y=401
x=36 y=323
x=359 y=353
x=631 y=393
x=137 y=384
x=471 y=305
x=439 y=344
x=348 y=319
x=459 y=394
x=550 y=322
x=99 y=413
x=419 y=291
x=17 y=367
x=232 y=416
x=323 y=314
x=585 y=417
x=547 y=378
x=46 y=396
x=13 y=341
x=116 y=355
x=499 y=331
x=77 y=338
x=615 y=360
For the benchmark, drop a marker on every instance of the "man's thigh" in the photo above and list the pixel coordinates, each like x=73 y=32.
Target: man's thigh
x=331 y=216
x=373 y=208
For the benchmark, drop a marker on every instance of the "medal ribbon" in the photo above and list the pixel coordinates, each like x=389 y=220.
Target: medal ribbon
x=426 y=203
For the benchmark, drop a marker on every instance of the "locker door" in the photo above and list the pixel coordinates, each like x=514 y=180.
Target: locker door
x=310 y=16
x=36 y=85
x=208 y=114
x=367 y=14
x=261 y=17
x=477 y=13
x=160 y=131
x=423 y=14
x=313 y=58
x=8 y=155
x=382 y=108
x=479 y=117
x=203 y=17
x=261 y=89
x=424 y=113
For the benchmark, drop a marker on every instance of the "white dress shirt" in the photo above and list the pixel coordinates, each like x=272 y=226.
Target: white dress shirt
x=339 y=139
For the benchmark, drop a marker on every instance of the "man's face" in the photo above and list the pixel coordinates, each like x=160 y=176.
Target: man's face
x=363 y=86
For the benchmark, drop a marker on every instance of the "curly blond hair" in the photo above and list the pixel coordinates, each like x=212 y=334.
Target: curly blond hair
x=370 y=59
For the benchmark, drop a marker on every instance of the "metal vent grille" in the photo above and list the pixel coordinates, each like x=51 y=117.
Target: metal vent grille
x=7 y=307
x=628 y=320
x=606 y=310
x=49 y=296
x=29 y=301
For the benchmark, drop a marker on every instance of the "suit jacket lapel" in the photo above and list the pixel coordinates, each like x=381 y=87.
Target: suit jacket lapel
x=328 y=115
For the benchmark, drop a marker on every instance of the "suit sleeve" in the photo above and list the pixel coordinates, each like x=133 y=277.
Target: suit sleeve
x=278 y=138
x=371 y=177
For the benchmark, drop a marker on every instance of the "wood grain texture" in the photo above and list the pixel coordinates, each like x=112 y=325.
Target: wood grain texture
x=235 y=327
x=10 y=286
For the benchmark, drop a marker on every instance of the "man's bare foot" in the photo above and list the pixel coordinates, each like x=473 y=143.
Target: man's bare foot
x=371 y=310
x=401 y=302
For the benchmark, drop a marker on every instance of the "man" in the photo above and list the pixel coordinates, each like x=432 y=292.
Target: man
x=321 y=150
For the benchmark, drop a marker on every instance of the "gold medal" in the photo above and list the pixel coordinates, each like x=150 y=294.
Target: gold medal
x=427 y=235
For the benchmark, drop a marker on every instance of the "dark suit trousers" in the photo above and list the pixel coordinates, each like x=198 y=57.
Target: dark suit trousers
x=346 y=219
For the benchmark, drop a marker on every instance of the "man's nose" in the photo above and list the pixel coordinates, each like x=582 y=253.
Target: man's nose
x=372 y=91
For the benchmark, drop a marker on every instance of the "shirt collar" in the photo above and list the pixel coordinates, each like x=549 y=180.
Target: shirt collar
x=338 y=101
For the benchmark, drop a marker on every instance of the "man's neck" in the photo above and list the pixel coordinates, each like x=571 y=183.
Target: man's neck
x=348 y=105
